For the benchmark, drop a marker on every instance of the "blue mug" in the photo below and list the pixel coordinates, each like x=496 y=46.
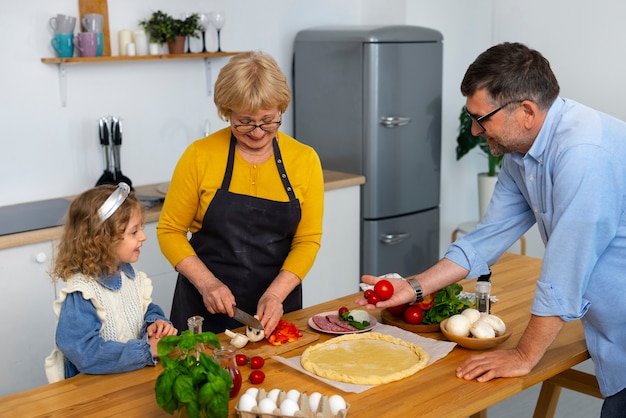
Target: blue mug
x=100 y=44
x=63 y=44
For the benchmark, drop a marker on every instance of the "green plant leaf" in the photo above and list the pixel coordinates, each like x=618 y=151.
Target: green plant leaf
x=166 y=345
x=164 y=391
x=466 y=142
x=184 y=389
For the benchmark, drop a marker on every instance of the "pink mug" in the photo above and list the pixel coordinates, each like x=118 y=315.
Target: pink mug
x=86 y=43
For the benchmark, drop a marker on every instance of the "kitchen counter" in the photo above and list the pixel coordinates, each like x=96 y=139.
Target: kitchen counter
x=432 y=392
x=332 y=180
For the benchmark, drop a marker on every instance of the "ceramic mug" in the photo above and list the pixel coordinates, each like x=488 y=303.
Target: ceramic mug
x=62 y=23
x=92 y=22
x=100 y=43
x=141 y=42
x=63 y=44
x=86 y=43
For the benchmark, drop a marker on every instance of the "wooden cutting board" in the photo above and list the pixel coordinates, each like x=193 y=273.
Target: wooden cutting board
x=265 y=349
x=100 y=7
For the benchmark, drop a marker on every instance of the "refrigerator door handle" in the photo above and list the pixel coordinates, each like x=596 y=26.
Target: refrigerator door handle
x=393 y=239
x=394 y=121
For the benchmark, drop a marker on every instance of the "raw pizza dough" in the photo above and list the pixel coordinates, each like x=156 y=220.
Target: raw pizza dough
x=364 y=359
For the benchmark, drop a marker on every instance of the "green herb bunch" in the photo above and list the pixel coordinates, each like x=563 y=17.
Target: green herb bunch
x=356 y=324
x=447 y=303
x=192 y=380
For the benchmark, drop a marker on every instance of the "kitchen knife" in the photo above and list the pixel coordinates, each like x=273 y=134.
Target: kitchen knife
x=247 y=319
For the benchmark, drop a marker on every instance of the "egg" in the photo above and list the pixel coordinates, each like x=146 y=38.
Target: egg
x=289 y=407
x=267 y=406
x=246 y=403
x=459 y=325
x=273 y=394
x=253 y=392
x=293 y=395
x=472 y=314
x=337 y=403
x=314 y=400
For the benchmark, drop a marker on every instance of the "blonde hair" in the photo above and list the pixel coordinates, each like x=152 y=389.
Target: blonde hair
x=250 y=81
x=88 y=245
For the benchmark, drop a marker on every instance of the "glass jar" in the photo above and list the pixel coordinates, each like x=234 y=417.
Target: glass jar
x=225 y=357
x=194 y=324
x=483 y=289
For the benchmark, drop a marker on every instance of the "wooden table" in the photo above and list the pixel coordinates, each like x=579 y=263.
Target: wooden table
x=433 y=392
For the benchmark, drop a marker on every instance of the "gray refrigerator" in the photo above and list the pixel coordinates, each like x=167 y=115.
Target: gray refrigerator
x=368 y=99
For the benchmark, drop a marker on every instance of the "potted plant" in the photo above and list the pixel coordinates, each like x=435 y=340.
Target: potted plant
x=164 y=28
x=192 y=381
x=465 y=143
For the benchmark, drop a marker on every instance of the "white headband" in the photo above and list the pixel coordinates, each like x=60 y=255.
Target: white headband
x=114 y=201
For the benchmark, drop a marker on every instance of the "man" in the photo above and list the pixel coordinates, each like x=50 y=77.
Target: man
x=564 y=168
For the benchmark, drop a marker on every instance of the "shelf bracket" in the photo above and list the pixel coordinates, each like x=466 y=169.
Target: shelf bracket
x=207 y=69
x=62 y=84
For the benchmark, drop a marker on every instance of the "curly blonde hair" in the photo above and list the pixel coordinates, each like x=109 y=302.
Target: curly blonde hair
x=250 y=81
x=88 y=245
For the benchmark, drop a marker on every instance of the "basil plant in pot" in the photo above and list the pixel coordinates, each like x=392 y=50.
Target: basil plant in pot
x=465 y=143
x=163 y=28
x=192 y=382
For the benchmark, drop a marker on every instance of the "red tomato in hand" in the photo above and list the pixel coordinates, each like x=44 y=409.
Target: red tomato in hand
x=367 y=293
x=373 y=298
x=256 y=362
x=384 y=289
x=427 y=303
x=413 y=315
x=241 y=359
x=256 y=377
x=399 y=309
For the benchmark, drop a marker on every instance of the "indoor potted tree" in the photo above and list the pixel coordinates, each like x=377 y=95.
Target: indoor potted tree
x=465 y=143
x=163 y=28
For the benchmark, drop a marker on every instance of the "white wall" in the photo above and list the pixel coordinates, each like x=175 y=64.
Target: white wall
x=50 y=151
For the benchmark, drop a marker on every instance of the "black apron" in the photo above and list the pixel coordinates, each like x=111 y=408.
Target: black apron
x=244 y=241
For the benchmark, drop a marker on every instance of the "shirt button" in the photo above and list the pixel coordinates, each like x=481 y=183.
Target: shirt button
x=532 y=178
x=536 y=210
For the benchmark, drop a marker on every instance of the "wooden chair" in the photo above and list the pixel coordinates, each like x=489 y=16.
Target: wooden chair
x=570 y=379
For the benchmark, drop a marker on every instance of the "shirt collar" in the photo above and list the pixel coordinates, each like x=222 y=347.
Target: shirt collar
x=540 y=144
x=115 y=281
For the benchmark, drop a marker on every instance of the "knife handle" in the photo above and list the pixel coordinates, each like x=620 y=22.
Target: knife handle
x=116 y=130
x=103 y=132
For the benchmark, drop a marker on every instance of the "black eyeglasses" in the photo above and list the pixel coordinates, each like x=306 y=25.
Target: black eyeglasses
x=479 y=121
x=246 y=128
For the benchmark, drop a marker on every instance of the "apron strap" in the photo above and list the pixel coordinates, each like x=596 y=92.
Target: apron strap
x=230 y=163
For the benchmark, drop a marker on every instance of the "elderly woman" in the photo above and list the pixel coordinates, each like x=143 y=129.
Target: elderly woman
x=252 y=198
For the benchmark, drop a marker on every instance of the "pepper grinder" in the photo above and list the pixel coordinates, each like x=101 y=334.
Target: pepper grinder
x=483 y=290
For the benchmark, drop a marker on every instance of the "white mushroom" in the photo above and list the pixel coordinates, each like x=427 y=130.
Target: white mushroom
x=254 y=334
x=458 y=325
x=236 y=339
x=480 y=329
x=495 y=322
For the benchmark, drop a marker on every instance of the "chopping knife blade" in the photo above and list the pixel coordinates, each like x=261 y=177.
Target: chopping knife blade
x=247 y=319
x=116 y=139
x=108 y=176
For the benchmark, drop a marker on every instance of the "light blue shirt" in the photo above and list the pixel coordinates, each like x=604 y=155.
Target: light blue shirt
x=572 y=183
x=78 y=335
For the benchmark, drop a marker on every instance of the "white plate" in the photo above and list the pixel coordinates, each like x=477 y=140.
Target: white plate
x=312 y=324
x=163 y=187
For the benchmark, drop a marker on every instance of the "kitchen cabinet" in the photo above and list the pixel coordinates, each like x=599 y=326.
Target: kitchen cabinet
x=62 y=64
x=335 y=272
x=28 y=320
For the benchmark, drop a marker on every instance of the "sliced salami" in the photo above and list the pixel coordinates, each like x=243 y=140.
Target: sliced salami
x=325 y=324
x=333 y=318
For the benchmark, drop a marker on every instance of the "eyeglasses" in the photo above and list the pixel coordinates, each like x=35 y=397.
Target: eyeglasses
x=245 y=128
x=479 y=121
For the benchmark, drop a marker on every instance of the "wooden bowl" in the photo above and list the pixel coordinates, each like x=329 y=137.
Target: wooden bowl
x=473 y=343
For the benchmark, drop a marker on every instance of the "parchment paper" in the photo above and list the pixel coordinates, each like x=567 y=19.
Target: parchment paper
x=435 y=349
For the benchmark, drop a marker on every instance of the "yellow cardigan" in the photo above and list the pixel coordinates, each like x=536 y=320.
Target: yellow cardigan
x=199 y=173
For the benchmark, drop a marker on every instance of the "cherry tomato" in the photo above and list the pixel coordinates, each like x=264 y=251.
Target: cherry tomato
x=367 y=293
x=256 y=362
x=413 y=315
x=373 y=298
x=241 y=359
x=399 y=309
x=427 y=303
x=384 y=289
x=256 y=377
x=343 y=310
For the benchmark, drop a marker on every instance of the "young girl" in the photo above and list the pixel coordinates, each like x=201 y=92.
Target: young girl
x=107 y=322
